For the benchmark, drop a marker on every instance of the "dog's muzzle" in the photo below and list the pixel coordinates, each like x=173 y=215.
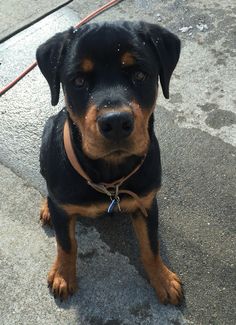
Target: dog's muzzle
x=116 y=126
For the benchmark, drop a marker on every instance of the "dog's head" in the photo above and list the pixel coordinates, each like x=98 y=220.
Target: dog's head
x=109 y=74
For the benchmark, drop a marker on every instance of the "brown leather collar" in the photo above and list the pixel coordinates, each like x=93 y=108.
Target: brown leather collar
x=110 y=189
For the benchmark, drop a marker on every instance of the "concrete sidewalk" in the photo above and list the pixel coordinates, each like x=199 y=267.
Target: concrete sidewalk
x=18 y=15
x=196 y=131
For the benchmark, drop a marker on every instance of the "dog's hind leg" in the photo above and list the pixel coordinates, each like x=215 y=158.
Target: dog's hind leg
x=45 y=216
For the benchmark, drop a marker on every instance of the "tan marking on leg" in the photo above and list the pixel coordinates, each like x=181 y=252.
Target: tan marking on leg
x=45 y=217
x=62 y=276
x=166 y=283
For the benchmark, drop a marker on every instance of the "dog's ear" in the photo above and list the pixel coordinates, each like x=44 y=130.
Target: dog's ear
x=50 y=57
x=166 y=46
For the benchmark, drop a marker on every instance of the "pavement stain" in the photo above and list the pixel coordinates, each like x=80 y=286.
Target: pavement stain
x=89 y=254
x=221 y=56
x=175 y=322
x=220 y=118
x=176 y=99
x=207 y=107
x=141 y=310
x=99 y=321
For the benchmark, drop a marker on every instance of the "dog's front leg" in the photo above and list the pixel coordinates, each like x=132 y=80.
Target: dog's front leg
x=165 y=282
x=62 y=276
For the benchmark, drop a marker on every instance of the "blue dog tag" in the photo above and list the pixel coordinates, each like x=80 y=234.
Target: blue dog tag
x=112 y=206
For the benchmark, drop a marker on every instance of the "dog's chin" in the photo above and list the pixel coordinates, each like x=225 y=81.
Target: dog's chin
x=120 y=155
x=115 y=155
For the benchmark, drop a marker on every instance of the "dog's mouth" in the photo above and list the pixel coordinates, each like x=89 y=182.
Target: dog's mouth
x=117 y=153
x=98 y=147
x=115 y=135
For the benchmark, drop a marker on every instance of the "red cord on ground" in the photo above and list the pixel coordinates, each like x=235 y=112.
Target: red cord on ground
x=83 y=21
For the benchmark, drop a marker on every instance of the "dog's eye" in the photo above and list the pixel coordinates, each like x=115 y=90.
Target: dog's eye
x=139 y=76
x=79 y=82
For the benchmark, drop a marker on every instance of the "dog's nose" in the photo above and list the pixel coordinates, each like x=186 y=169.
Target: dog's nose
x=116 y=125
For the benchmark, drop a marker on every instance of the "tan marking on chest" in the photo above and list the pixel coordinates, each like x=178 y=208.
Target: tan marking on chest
x=127 y=204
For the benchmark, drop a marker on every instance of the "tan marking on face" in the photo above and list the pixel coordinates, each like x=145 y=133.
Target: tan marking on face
x=140 y=136
x=93 y=143
x=127 y=59
x=96 y=146
x=127 y=204
x=166 y=283
x=87 y=65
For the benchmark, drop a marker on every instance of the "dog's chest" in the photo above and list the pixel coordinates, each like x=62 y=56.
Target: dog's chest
x=93 y=210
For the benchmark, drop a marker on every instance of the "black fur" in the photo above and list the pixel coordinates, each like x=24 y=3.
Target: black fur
x=157 y=53
x=152 y=226
x=61 y=225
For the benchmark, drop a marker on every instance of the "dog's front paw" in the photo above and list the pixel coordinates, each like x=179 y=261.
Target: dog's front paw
x=62 y=280
x=168 y=286
x=45 y=217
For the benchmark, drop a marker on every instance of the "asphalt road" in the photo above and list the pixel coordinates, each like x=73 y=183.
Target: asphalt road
x=196 y=129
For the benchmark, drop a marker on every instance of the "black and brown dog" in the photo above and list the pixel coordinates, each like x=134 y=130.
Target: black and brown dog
x=100 y=153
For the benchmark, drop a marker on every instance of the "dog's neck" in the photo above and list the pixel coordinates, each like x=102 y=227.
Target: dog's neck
x=99 y=170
